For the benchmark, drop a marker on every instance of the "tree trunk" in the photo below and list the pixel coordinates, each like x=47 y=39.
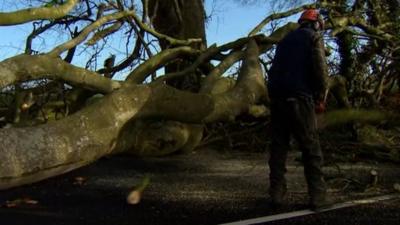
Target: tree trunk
x=182 y=20
x=345 y=42
x=179 y=19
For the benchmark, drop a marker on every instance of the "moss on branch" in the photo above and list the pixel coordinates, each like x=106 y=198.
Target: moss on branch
x=30 y=67
x=41 y=13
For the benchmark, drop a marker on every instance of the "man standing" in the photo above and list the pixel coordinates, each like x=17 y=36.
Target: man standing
x=297 y=87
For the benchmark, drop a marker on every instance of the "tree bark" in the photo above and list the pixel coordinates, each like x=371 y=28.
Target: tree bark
x=27 y=67
x=26 y=15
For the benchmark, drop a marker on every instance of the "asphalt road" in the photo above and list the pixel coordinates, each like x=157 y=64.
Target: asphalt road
x=206 y=187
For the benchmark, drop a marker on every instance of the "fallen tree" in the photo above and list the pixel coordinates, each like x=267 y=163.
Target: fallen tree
x=144 y=114
x=34 y=153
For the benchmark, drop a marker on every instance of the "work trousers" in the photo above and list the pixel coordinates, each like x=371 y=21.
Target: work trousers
x=295 y=117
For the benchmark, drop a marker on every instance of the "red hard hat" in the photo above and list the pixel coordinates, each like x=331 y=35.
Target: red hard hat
x=311 y=15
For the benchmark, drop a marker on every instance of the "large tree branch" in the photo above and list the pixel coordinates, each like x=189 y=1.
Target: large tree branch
x=249 y=88
x=42 y=13
x=266 y=43
x=205 y=56
x=151 y=65
x=35 y=153
x=209 y=82
x=27 y=67
x=339 y=24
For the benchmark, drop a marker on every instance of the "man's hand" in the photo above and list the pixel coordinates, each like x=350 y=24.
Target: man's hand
x=320 y=107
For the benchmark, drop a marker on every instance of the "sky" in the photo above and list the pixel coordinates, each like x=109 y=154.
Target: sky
x=228 y=21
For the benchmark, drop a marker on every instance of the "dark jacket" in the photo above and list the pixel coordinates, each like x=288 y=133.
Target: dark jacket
x=299 y=67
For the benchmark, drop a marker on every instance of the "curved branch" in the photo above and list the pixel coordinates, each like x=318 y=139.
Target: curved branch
x=141 y=73
x=104 y=33
x=42 y=13
x=340 y=24
x=374 y=30
x=28 y=67
x=343 y=116
x=136 y=51
x=123 y=64
x=265 y=44
x=205 y=56
x=249 y=88
x=279 y=16
x=140 y=37
x=160 y=36
x=85 y=32
x=228 y=61
x=208 y=84
x=34 y=34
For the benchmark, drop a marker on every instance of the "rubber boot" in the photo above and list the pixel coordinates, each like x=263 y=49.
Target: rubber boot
x=278 y=188
x=317 y=188
x=278 y=195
